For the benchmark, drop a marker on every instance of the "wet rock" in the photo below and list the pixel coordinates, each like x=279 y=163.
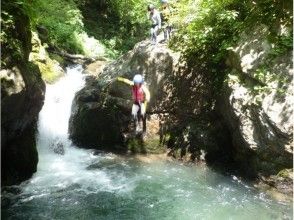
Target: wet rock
x=11 y=189
x=95 y=68
x=22 y=97
x=101 y=111
x=43 y=33
x=50 y=68
x=259 y=120
x=58 y=147
x=278 y=186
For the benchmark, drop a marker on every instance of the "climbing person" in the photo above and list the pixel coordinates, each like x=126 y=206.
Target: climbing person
x=154 y=17
x=141 y=96
x=165 y=13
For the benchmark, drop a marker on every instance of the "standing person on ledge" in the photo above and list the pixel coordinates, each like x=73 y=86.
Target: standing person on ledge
x=165 y=17
x=154 y=17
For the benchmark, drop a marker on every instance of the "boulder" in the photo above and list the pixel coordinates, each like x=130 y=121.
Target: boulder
x=101 y=111
x=156 y=63
x=258 y=110
x=22 y=97
x=43 y=33
x=94 y=68
x=50 y=68
x=58 y=147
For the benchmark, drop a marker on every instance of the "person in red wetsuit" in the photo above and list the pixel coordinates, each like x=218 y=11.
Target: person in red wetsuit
x=141 y=96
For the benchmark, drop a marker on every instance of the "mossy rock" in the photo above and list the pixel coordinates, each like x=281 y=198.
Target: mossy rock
x=286 y=173
x=51 y=69
x=62 y=62
x=137 y=145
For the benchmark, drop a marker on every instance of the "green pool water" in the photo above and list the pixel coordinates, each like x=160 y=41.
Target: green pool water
x=83 y=185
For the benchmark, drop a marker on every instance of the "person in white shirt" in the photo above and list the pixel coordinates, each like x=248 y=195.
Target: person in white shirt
x=155 y=19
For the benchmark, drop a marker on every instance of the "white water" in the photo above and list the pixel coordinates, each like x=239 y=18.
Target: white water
x=54 y=170
x=83 y=185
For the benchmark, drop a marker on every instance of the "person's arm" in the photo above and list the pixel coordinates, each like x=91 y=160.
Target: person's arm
x=147 y=93
x=129 y=82
x=158 y=19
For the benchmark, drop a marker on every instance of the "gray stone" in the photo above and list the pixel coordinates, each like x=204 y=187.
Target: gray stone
x=260 y=121
x=101 y=112
x=22 y=97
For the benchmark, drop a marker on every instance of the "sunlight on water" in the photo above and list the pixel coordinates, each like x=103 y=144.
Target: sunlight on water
x=81 y=184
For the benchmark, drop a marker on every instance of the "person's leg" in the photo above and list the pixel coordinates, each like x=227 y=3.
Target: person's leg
x=143 y=115
x=156 y=29
x=135 y=109
x=164 y=31
x=169 y=28
x=153 y=36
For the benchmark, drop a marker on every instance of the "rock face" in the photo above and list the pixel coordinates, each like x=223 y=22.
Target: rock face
x=258 y=109
x=22 y=94
x=94 y=68
x=101 y=110
x=50 y=68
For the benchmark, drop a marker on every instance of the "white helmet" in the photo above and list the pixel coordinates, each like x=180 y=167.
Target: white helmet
x=138 y=79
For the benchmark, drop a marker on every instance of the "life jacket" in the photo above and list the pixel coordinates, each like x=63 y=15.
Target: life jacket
x=138 y=94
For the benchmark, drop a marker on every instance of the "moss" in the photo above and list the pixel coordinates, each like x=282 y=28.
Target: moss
x=50 y=68
x=136 y=145
x=285 y=173
x=154 y=146
x=51 y=71
x=151 y=145
x=58 y=58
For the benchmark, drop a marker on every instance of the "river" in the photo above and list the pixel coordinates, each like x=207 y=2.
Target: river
x=74 y=183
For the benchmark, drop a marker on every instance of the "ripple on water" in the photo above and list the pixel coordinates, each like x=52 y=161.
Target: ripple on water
x=126 y=189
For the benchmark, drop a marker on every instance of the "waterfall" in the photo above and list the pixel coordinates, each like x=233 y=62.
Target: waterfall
x=60 y=163
x=54 y=116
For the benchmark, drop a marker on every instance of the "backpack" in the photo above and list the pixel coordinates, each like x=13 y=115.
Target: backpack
x=165 y=14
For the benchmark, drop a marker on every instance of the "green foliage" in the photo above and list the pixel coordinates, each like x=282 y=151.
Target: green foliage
x=206 y=29
x=8 y=44
x=63 y=21
x=281 y=44
x=136 y=145
x=203 y=38
x=118 y=24
x=269 y=12
x=90 y=27
x=18 y=7
x=14 y=18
